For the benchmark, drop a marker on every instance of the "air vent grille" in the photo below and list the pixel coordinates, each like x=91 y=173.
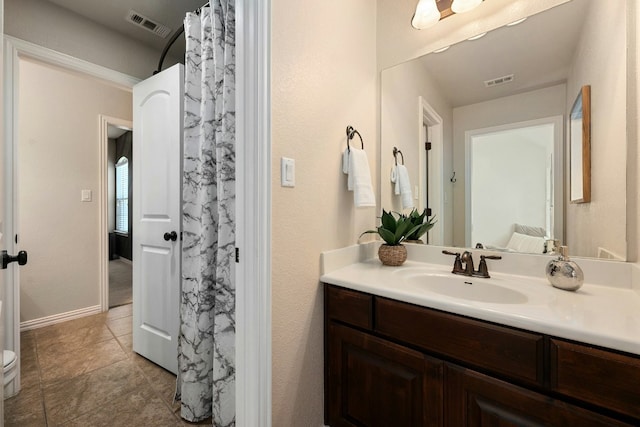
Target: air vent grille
x=499 y=81
x=142 y=21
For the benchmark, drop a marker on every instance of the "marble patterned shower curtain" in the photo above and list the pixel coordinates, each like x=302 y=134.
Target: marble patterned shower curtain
x=206 y=345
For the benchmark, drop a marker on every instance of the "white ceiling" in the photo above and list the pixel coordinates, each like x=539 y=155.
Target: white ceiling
x=112 y=13
x=538 y=52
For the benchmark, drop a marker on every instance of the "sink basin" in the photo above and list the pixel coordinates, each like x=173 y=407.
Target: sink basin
x=464 y=288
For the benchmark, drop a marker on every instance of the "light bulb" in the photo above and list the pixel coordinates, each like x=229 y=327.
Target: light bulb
x=427 y=15
x=462 y=6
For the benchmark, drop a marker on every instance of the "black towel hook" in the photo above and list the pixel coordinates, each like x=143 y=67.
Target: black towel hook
x=395 y=155
x=350 y=132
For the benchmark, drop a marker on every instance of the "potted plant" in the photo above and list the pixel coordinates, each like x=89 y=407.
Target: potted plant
x=394 y=229
x=419 y=219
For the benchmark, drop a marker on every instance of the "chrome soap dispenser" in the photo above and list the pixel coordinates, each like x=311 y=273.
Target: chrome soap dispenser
x=564 y=273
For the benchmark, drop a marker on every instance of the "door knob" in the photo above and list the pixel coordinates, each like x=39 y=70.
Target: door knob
x=173 y=236
x=6 y=258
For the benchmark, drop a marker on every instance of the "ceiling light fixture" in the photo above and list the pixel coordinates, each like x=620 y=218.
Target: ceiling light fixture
x=479 y=36
x=442 y=49
x=519 y=21
x=426 y=15
x=462 y=6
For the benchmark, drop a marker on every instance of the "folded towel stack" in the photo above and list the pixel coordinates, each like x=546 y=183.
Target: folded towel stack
x=356 y=165
x=400 y=176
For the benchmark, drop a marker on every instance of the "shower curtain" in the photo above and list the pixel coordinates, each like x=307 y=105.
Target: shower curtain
x=206 y=345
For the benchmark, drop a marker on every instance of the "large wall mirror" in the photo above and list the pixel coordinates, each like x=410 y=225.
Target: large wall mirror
x=496 y=110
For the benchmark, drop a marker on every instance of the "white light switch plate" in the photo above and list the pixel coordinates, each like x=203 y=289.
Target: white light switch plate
x=85 y=196
x=287 y=172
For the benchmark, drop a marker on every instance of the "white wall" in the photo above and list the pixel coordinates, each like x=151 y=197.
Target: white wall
x=400 y=125
x=512 y=109
x=601 y=62
x=48 y=25
x=324 y=78
x=58 y=157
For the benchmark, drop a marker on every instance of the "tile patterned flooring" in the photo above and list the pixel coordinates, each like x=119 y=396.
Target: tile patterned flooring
x=84 y=373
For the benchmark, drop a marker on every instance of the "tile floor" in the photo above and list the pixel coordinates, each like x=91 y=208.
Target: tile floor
x=84 y=373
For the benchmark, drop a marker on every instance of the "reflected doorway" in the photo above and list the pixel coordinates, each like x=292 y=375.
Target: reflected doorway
x=514 y=175
x=119 y=167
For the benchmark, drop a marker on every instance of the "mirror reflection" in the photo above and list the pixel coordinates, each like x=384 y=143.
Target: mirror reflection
x=494 y=114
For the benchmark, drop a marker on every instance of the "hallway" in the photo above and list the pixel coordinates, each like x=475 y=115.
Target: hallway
x=84 y=373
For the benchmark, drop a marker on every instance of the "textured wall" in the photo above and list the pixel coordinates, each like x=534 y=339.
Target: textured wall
x=323 y=79
x=58 y=157
x=600 y=61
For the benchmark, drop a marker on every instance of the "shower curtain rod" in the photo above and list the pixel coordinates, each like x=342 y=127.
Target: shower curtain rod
x=173 y=40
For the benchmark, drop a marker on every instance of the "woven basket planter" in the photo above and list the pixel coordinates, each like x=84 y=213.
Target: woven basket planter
x=392 y=255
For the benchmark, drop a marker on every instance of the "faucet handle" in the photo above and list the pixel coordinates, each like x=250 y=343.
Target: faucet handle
x=457 y=264
x=483 y=270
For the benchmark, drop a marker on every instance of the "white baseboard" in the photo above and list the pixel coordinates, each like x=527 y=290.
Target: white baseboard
x=58 y=318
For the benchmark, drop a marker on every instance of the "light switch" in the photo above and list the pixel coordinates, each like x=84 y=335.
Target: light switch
x=287 y=172
x=85 y=196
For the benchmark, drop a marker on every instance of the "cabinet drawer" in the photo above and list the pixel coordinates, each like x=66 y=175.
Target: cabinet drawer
x=474 y=399
x=604 y=378
x=352 y=307
x=514 y=353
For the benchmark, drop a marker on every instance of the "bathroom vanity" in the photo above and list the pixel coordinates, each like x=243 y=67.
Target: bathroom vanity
x=396 y=359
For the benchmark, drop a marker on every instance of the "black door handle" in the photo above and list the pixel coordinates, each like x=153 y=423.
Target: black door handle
x=6 y=258
x=173 y=236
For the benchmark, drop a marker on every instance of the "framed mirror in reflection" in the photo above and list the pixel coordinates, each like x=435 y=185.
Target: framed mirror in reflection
x=496 y=112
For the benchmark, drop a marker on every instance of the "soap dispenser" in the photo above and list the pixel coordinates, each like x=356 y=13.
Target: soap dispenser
x=564 y=273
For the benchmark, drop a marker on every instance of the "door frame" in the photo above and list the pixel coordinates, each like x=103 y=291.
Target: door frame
x=103 y=202
x=427 y=115
x=14 y=49
x=253 y=204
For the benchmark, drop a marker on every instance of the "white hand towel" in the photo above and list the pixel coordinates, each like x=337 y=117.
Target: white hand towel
x=394 y=180
x=345 y=169
x=361 y=178
x=404 y=184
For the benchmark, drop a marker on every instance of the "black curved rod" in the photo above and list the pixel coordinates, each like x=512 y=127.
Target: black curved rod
x=166 y=49
x=350 y=133
x=173 y=40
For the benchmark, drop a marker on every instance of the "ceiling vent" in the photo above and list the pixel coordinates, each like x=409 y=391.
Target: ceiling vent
x=142 y=21
x=498 y=81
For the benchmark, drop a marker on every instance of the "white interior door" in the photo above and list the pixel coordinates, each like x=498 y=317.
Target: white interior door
x=157 y=206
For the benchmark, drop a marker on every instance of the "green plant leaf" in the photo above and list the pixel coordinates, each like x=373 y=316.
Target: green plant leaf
x=388 y=221
x=368 y=232
x=388 y=237
x=403 y=226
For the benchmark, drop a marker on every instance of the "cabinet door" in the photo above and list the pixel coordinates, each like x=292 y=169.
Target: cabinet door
x=473 y=399
x=375 y=383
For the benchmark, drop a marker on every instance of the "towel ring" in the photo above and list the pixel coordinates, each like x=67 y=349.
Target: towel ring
x=395 y=155
x=350 y=132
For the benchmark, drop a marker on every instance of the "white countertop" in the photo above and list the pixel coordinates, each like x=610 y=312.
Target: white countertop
x=606 y=316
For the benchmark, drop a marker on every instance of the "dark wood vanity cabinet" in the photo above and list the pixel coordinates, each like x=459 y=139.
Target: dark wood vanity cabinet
x=389 y=363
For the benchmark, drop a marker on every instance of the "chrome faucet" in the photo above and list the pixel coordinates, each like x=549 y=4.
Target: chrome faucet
x=467 y=259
